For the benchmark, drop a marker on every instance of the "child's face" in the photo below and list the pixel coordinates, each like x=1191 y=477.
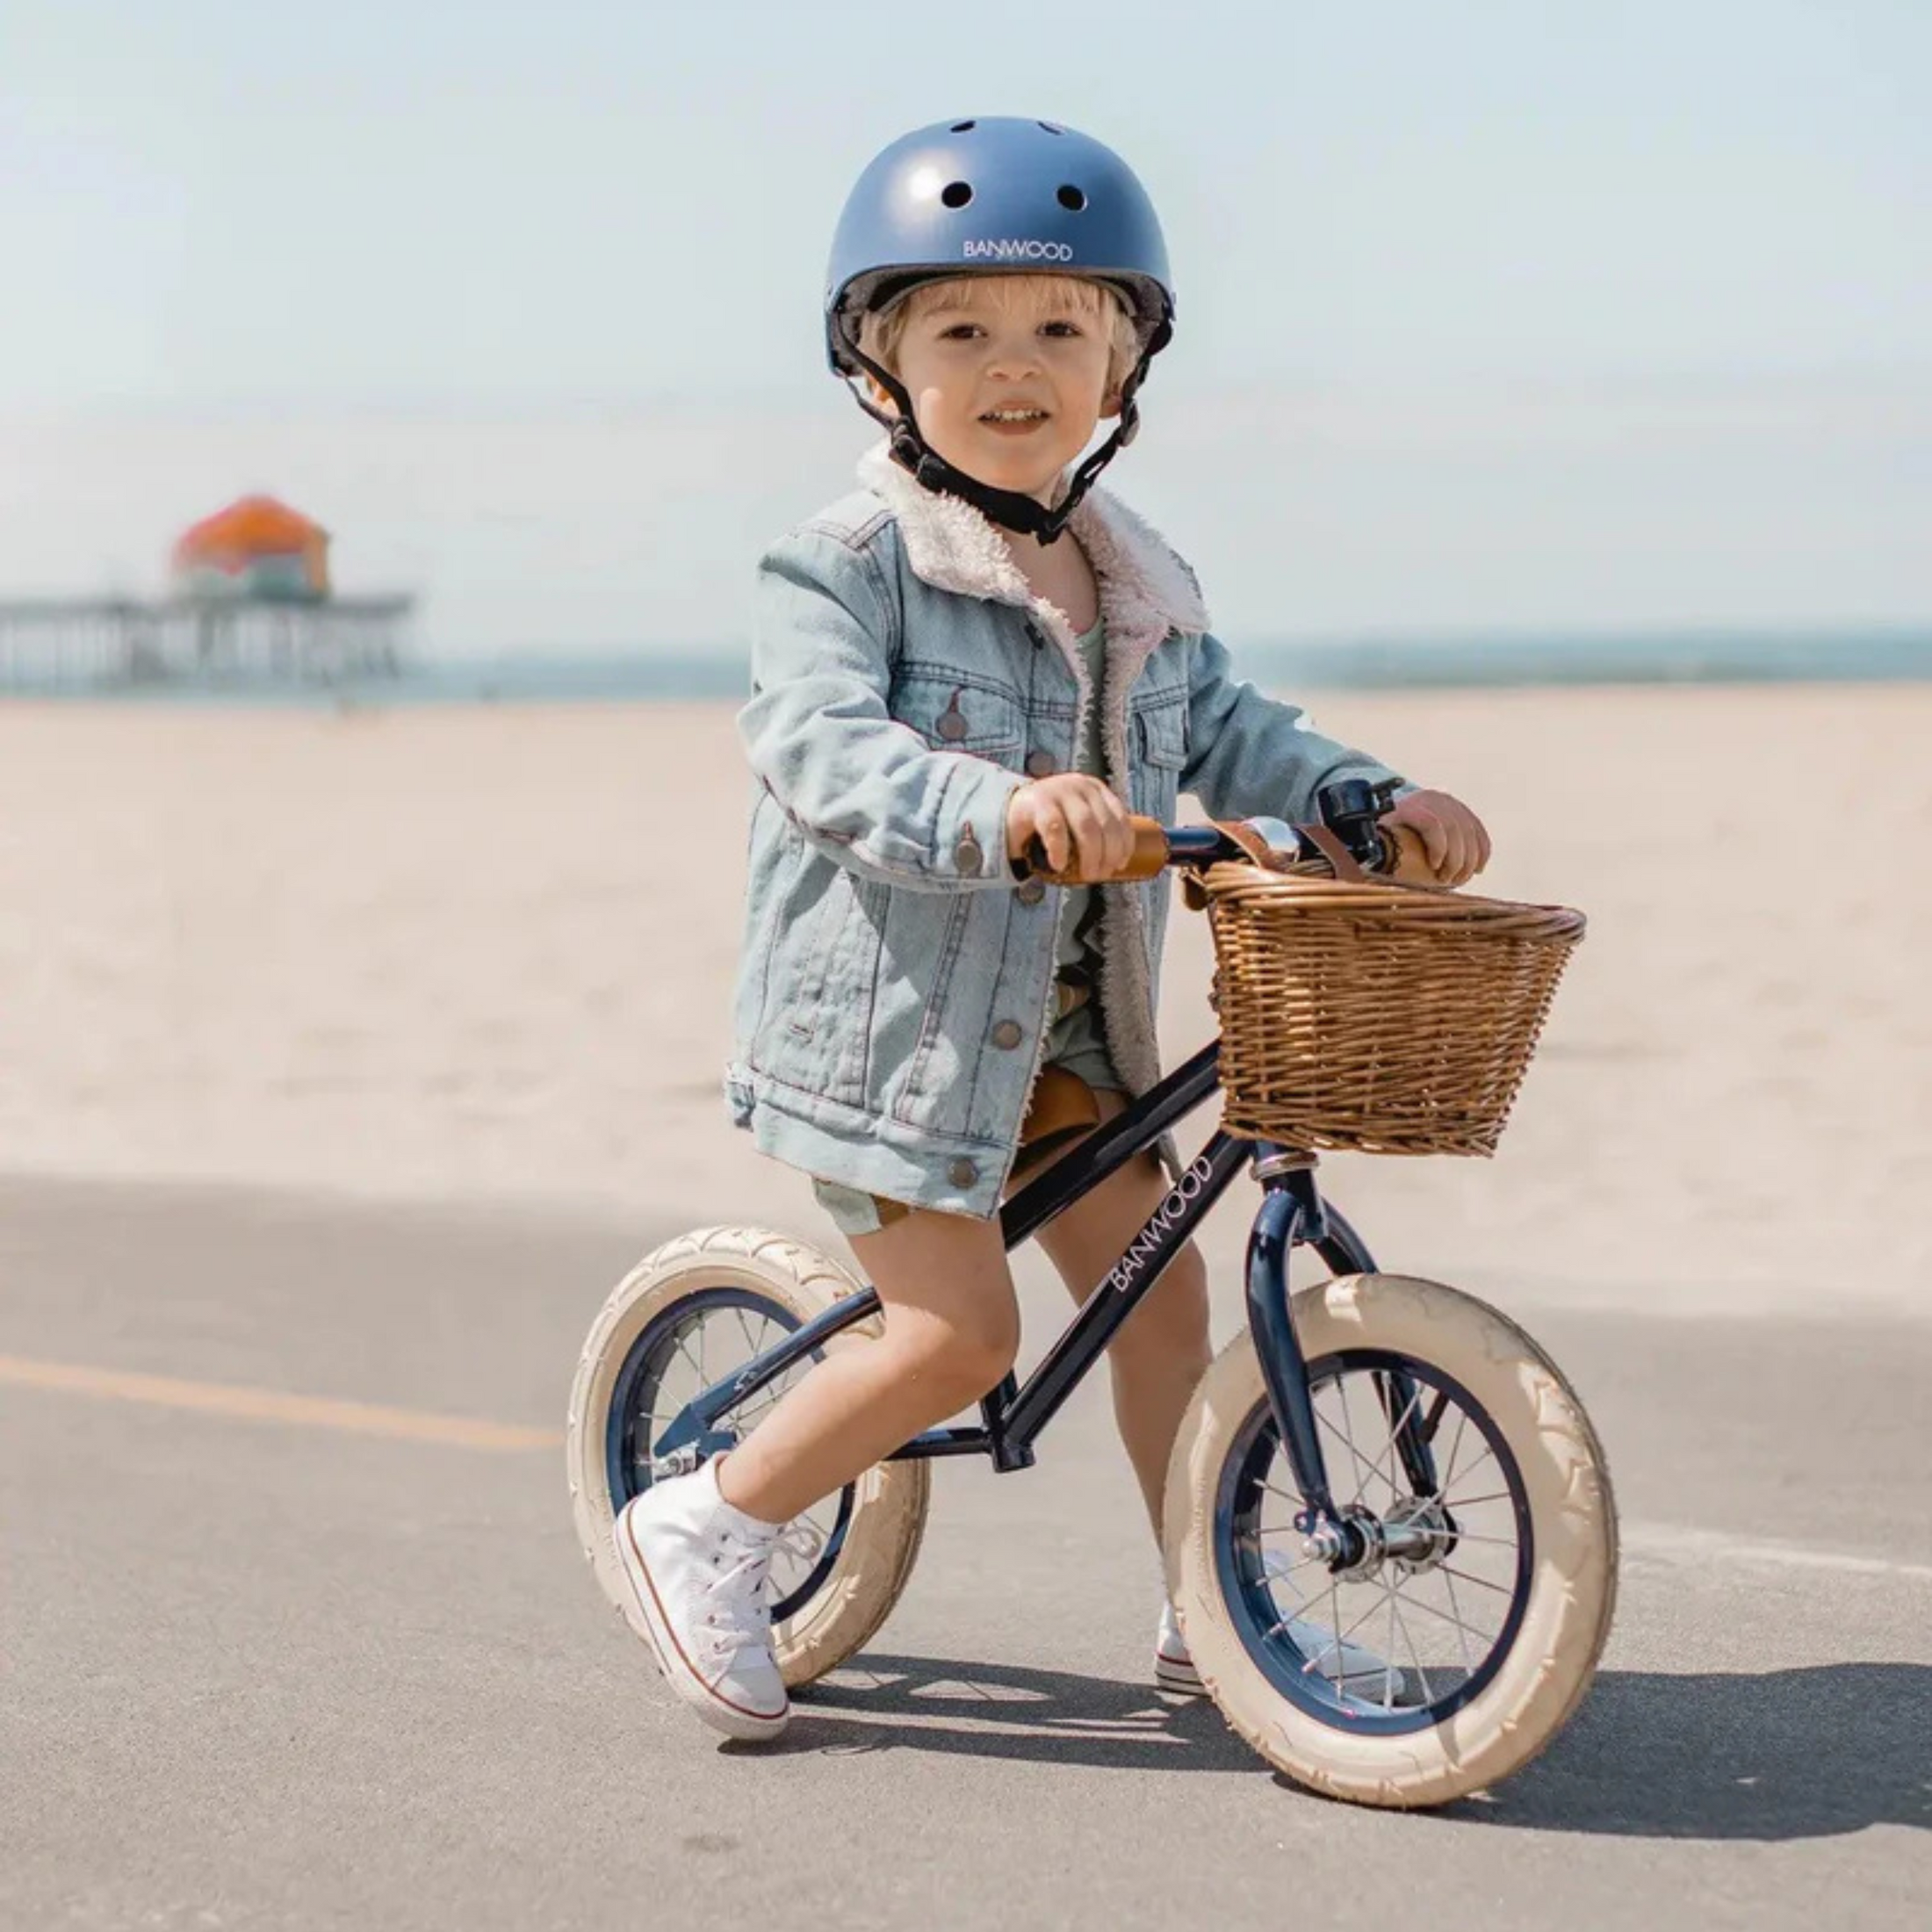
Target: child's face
x=1008 y=377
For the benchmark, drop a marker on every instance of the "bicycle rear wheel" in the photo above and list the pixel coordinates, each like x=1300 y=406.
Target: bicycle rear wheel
x=686 y=1317
x=1484 y=1599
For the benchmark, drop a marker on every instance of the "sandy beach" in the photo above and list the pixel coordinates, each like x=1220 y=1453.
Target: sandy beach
x=465 y=952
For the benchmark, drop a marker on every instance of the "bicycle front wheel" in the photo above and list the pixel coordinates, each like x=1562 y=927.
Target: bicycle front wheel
x=1459 y=1625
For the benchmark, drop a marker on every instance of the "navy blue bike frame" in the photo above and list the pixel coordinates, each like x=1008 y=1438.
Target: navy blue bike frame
x=1012 y=1415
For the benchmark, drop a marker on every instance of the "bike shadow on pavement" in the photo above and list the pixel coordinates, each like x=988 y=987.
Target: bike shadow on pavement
x=1774 y=1755
x=881 y=1702
x=1806 y=1753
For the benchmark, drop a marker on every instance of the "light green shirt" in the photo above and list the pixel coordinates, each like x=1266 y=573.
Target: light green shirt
x=1080 y=910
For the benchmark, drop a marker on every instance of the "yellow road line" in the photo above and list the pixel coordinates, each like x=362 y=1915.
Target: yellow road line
x=272 y=1405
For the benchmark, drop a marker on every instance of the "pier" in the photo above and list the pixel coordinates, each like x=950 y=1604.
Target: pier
x=249 y=603
x=81 y=644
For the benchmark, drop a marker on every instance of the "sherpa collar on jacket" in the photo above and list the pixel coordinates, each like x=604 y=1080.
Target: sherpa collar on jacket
x=1147 y=593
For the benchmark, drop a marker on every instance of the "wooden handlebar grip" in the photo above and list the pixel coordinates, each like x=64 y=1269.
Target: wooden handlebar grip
x=1149 y=855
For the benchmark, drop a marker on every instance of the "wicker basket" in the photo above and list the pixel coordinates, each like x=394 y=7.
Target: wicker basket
x=1373 y=1018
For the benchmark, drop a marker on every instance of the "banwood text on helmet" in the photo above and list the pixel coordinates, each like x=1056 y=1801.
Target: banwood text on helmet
x=994 y=196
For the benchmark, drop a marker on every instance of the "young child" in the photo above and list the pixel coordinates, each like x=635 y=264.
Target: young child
x=972 y=651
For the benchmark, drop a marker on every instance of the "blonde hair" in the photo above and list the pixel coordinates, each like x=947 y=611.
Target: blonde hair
x=880 y=332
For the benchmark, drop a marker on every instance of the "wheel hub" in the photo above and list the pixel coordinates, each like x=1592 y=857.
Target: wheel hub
x=1416 y=1535
x=1350 y=1544
x=693 y=1454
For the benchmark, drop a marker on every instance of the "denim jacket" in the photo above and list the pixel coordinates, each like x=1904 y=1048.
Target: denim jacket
x=892 y=998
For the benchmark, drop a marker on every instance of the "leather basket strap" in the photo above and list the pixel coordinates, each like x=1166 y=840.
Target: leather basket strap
x=1346 y=865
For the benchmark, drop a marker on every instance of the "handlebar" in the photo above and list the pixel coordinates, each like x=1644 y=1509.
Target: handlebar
x=1349 y=838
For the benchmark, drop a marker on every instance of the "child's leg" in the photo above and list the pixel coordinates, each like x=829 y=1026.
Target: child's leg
x=952 y=1329
x=1162 y=1352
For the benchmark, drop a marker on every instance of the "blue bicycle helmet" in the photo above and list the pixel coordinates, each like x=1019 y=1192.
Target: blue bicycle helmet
x=994 y=196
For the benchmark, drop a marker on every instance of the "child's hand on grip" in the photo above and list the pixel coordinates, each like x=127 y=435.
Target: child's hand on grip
x=1438 y=840
x=1085 y=830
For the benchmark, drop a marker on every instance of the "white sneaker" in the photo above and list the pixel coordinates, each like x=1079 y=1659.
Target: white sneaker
x=1364 y=1676
x=1174 y=1669
x=697 y=1567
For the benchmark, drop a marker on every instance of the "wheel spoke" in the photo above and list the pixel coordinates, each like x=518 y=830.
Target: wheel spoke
x=1395 y=1438
x=1388 y=1661
x=744 y=1328
x=1460 y=1536
x=1482 y=1637
x=1487 y=1455
x=1502 y=1590
x=1348 y=1431
x=762 y=1401
x=1455 y=1446
x=1395 y=1597
x=1341 y=1636
x=695 y=1362
x=1461 y=1628
x=757 y=1407
x=654 y=1428
x=1360 y=1463
x=1274 y=1570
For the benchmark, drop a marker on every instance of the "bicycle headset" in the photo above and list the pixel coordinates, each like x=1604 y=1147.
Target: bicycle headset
x=993 y=197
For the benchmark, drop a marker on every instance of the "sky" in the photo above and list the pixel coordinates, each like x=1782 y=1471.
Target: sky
x=1493 y=316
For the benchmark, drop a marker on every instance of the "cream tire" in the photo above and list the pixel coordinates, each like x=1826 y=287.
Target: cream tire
x=1572 y=1592
x=888 y=1519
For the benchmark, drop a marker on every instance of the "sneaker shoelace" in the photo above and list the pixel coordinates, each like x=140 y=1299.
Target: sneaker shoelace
x=740 y=1613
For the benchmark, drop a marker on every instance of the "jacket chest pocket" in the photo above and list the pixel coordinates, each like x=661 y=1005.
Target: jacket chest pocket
x=1160 y=753
x=976 y=716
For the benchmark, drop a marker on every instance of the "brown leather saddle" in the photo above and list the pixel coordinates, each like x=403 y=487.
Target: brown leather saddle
x=1063 y=1109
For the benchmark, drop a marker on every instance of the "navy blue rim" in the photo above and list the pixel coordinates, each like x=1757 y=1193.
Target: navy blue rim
x=1245 y=1587
x=639 y=1378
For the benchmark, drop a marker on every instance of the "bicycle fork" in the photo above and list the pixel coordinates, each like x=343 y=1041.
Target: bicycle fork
x=1292 y=1212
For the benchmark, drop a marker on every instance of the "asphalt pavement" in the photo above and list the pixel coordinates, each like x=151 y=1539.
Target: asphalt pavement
x=294 y=1631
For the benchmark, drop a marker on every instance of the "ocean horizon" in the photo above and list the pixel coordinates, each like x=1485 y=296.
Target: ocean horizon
x=1523 y=661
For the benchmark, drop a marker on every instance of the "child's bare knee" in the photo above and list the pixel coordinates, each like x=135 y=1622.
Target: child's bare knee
x=962 y=1358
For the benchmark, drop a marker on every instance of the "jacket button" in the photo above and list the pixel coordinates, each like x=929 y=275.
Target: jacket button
x=1008 y=1034
x=1040 y=763
x=963 y=1174
x=1031 y=893
x=951 y=725
x=966 y=854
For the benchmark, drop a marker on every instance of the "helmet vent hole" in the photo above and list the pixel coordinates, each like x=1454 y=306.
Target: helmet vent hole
x=1073 y=197
x=956 y=194
x=965 y=127
x=1051 y=129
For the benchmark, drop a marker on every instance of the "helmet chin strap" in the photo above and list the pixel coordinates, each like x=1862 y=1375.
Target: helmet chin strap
x=1011 y=509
